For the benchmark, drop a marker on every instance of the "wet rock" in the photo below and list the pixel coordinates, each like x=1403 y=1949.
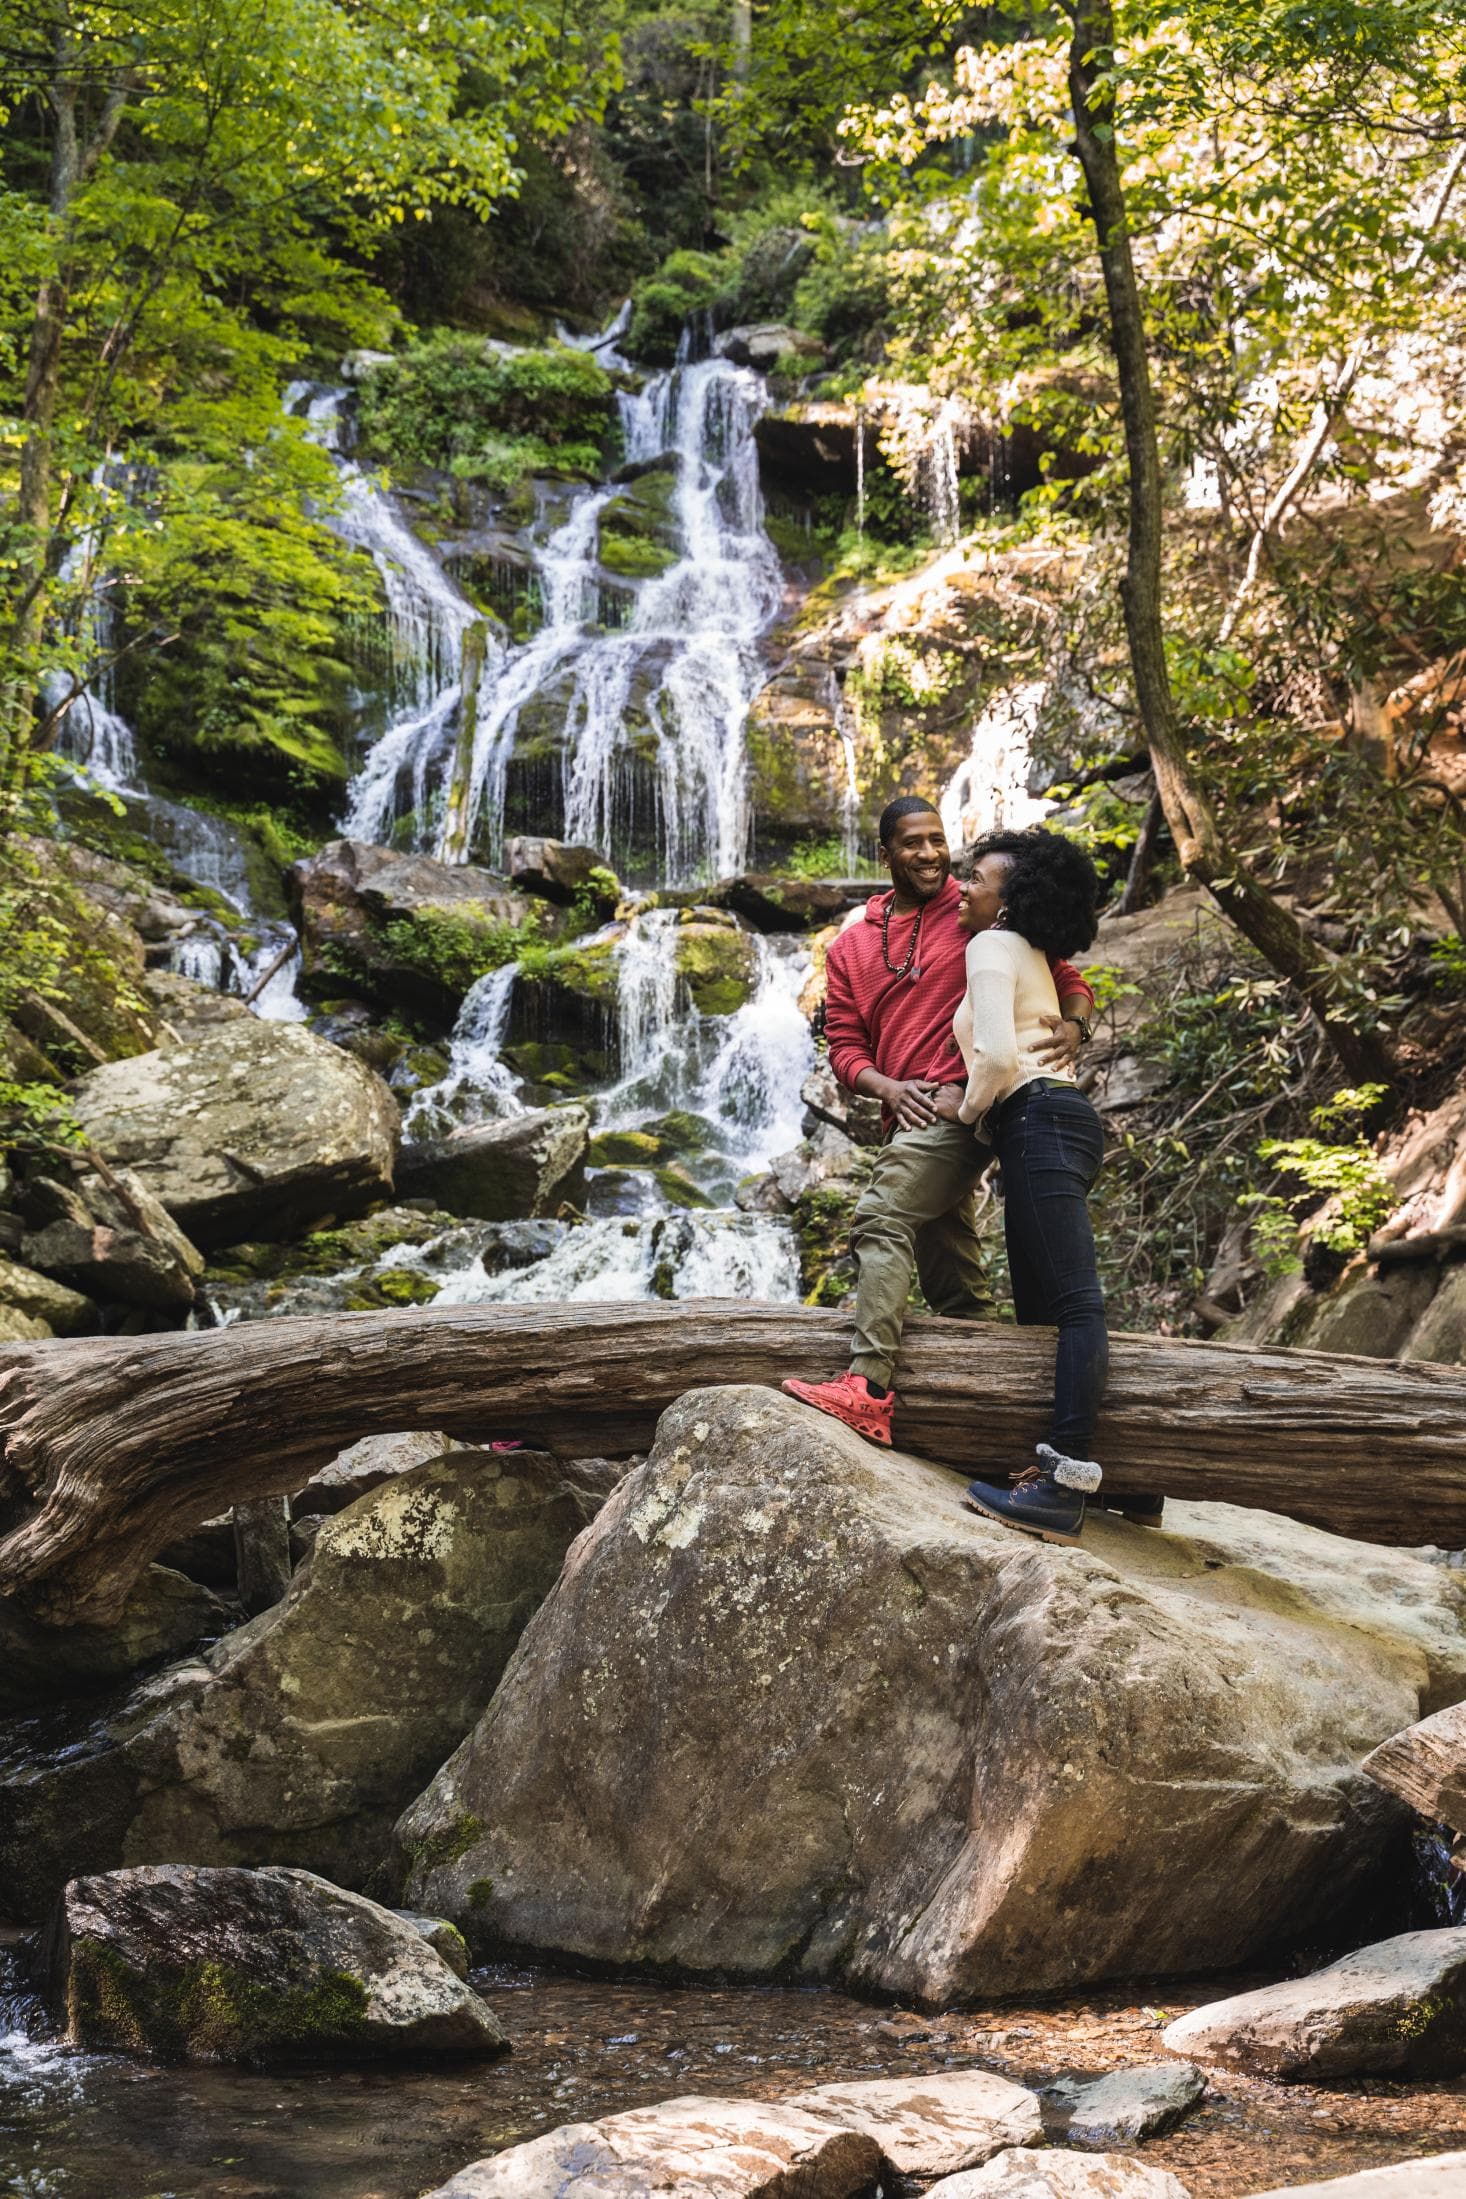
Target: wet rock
x=638 y=532
x=774 y=904
x=1432 y=2176
x=444 y=1938
x=1056 y=2174
x=1440 y=1333
x=933 y=2125
x=562 y=873
x=165 y=1614
x=808 y=449
x=1079 y=1732
x=718 y=965
x=1127 y=2104
x=65 y=1312
x=259 y=1128
x=763 y=345
x=1394 y=2009
x=188 y=1011
x=697 y=2148
x=299 y=1737
x=501 y=1171
x=406 y=931
x=252 y=1966
x=111 y=1240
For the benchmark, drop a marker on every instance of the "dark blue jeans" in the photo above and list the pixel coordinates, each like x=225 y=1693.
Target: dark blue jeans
x=1050 y=1144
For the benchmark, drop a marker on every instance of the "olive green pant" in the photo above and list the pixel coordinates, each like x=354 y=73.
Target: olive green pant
x=917 y=1212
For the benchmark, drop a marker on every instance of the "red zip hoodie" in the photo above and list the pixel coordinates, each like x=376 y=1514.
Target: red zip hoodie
x=902 y=1026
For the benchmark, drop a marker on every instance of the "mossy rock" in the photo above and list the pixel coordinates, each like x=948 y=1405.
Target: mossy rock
x=326 y=1251
x=639 y=535
x=680 y=1189
x=719 y=967
x=681 y=1131
x=540 y=1060
x=625 y=1149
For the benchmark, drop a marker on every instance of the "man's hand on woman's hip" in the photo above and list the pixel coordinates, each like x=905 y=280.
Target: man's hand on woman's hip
x=1061 y=1049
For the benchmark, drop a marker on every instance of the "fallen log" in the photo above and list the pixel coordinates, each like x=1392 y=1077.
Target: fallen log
x=112 y=1447
x=1426 y=1767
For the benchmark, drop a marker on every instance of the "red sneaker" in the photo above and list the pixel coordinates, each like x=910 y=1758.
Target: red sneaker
x=848 y=1398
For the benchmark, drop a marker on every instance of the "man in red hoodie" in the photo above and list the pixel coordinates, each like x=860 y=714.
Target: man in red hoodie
x=893 y=983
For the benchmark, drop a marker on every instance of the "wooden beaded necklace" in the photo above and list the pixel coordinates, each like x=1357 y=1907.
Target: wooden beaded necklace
x=906 y=966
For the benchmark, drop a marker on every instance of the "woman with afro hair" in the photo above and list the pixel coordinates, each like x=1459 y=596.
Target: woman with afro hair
x=1030 y=895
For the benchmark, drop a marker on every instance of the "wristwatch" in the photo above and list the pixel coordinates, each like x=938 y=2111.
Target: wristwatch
x=1086 y=1028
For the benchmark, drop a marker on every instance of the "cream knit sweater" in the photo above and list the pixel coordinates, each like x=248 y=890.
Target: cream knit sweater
x=1010 y=991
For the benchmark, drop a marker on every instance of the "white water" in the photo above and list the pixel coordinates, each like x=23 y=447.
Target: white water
x=743 y=1072
x=479 y=1085
x=694 y=1255
x=687 y=662
x=92 y=734
x=426 y=620
x=989 y=791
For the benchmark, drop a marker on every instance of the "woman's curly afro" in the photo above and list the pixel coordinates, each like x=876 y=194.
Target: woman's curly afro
x=1051 y=894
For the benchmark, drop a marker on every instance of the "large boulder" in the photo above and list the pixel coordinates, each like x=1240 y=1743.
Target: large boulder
x=108 y=1236
x=404 y=930
x=252 y=1966
x=1057 y=2173
x=299 y=1737
x=932 y=2125
x=257 y=1130
x=560 y=872
x=26 y=1290
x=1397 y=2009
x=697 y=2148
x=165 y=1613
x=1427 y=2176
x=499 y=1171
x=792 y=1710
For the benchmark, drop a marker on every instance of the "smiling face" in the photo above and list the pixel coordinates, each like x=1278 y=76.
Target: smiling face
x=982 y=894
x=918 y=857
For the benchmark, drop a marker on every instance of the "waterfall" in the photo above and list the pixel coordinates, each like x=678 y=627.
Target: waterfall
x=687 y=660
x=478 y=1085
x=850 y=792
x=92 y=734
x=426 y=622
x=940 y=476
x=859 y=472
x=989 y=791
x=745 y=1256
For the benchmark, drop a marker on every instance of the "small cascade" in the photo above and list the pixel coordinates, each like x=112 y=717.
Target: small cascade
x=860 y=472
x=646 y=996
x=989 y=791
x=479 y=1085
x=93 y=735
x=426 y=623
x=939 y=473
x=719 y=1255
x=850 y=792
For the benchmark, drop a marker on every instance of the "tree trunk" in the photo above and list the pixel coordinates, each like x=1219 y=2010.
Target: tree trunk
x=112 y=1448
x=1426 y=1766
x=1276 y=934
x=1142 y=860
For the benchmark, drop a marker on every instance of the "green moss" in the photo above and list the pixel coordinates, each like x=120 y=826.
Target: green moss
x=480 y=1893
x=718 y=966
x=456 y=946
x=437 y=1849
x=683 y=1132
x=209 y=2010
x=634 y=559
x=680 y=1188
x=400 y=1286
x=624 y=1149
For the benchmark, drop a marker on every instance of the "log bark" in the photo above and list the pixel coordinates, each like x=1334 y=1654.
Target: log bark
x=1426 y=1766
x=113 y=1447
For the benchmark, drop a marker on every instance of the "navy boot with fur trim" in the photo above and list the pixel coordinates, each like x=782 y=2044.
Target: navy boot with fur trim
x=1047 y=1500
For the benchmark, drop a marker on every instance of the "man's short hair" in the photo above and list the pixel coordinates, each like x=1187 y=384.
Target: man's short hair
x=905 y=805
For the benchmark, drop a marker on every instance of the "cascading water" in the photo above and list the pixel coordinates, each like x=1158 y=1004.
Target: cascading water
x=989 y=791
x=479 y=1084
x=93 y=735
x=687 y=659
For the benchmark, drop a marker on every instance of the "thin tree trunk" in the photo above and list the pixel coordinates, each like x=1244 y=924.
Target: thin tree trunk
x=1203 y=853
x=1142 y=860
x=114 y=1447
